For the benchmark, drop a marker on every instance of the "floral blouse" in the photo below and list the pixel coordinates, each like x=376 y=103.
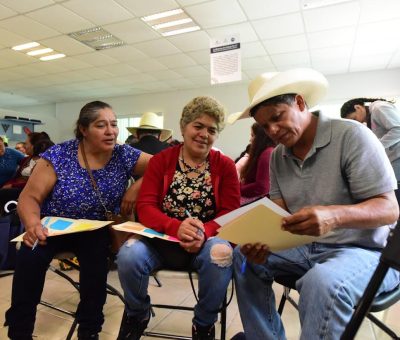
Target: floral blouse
x=195 y=195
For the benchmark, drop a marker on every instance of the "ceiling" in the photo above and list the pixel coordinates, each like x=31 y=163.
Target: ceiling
x=357 y=35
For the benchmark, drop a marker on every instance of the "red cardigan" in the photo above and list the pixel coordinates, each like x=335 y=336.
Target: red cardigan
x=158 y=177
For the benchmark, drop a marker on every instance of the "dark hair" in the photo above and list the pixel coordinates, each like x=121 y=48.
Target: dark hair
x=34 y=137
x=87 y=115
x=1 y=138
x=243 y=153
x=41 y=146
x=260 y=142
x=287 y=98
x=145 y=132
x=348 y=107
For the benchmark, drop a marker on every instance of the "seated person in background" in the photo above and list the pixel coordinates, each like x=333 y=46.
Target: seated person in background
x=9 y=160
x=151 y=134
x=60 y=185
x=184 y=188
x=36 y=143
x=20 y=146
x=321 y=173
x=254 y=175
x=383 y=118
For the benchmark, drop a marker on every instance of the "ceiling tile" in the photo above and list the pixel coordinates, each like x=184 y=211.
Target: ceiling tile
x=192 y=71
x=99 y=12
x=146 y=65
x=327 y=67
x=176 y=60
x=378 y=30
x=9 y=39
x=48 y=67
x=125 y=53
x=165 y=74
x=16 y=57
x=119 y=69
x=60 y=18
x=245 y=31
x=143 y=8
x=95 y=73
x=367 y=63
x=294 y=59
x=66 y=45
x=257 y=9
x=216 y=13
x=329 y=17
x=6 y=12
x=157 y=48
x=257 y=71
x=124 y=31
x=372 y=11
x=70 y=63
x=256 y=63
x=285 y=25
x=10 y=74
x=330 y=54
x=340 y=36
x=202 y=57
x=180 y=83
x=28 y=28
x=97 y=59
x=191 y=41
x=252 y=49
x=287 y=44
x=22 y=6
x=27 y=71
x=380 y=46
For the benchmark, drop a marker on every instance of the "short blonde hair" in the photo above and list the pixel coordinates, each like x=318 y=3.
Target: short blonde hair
x=203 y=105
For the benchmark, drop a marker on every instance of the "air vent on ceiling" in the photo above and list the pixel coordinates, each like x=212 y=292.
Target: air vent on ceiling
x=97 y=38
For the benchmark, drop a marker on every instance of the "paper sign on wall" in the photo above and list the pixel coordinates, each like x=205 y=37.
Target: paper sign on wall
x=225 y=59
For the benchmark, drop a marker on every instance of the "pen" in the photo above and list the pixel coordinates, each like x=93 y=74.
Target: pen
x=43 y=226
x=200 y=231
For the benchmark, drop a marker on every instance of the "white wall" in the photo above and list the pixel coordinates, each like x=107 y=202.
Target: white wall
x=234 y=138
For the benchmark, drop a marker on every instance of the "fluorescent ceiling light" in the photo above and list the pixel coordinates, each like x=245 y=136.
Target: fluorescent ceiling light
x=162 y=15
x=52 y=56
x=97 y=38
x=180 y=31
x=309 y=4
x=25 y=46
x=172 y=23
x=41 y=51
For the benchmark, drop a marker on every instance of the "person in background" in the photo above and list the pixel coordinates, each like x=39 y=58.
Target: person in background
x=321 y=173
x=383 y=118
x=9 y=160
x=184 y=189
x=254 y=175
x=36 y=143
x=60 y=185
x=20 y=146
x=150 y=133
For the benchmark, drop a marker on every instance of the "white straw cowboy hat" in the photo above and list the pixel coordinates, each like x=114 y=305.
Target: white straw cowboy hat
x=151 y=121
x=310 y=84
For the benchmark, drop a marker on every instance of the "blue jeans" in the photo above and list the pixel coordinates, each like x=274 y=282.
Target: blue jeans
x=137 y=260
x=333 y=278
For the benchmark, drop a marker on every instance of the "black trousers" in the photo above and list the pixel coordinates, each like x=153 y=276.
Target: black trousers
x=91 y=249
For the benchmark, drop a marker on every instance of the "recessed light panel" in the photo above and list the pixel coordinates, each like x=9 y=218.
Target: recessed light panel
x=97 y=38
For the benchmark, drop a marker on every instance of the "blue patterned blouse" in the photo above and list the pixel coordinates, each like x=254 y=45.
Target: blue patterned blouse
x=73 y=195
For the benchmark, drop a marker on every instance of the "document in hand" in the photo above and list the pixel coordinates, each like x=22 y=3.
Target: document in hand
x=61 y=226
x=260 y=222
x=140 y=229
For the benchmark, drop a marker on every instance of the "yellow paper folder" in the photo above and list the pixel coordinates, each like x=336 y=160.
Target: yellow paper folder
x=259 y=222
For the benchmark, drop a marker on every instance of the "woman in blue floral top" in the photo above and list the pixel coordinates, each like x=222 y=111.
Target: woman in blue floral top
x=60 y=185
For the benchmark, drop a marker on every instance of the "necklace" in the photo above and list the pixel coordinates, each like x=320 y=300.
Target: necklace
x=195 y=169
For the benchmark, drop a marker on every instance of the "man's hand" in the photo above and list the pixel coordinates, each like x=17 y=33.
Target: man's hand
x=315 y=221
x=255 y=252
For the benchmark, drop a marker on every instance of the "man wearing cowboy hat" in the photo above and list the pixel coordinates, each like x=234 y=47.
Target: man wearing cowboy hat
x=151 y=134
x=335 y=179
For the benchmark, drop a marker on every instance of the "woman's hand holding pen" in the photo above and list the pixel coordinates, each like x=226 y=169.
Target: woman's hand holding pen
x=35 y=233
x=255 y=252
x=189 y=235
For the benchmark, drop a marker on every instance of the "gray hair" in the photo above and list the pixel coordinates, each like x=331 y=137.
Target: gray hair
x=203 y=105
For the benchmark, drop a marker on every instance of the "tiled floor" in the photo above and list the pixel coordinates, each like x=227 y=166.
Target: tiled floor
x=52 y=325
